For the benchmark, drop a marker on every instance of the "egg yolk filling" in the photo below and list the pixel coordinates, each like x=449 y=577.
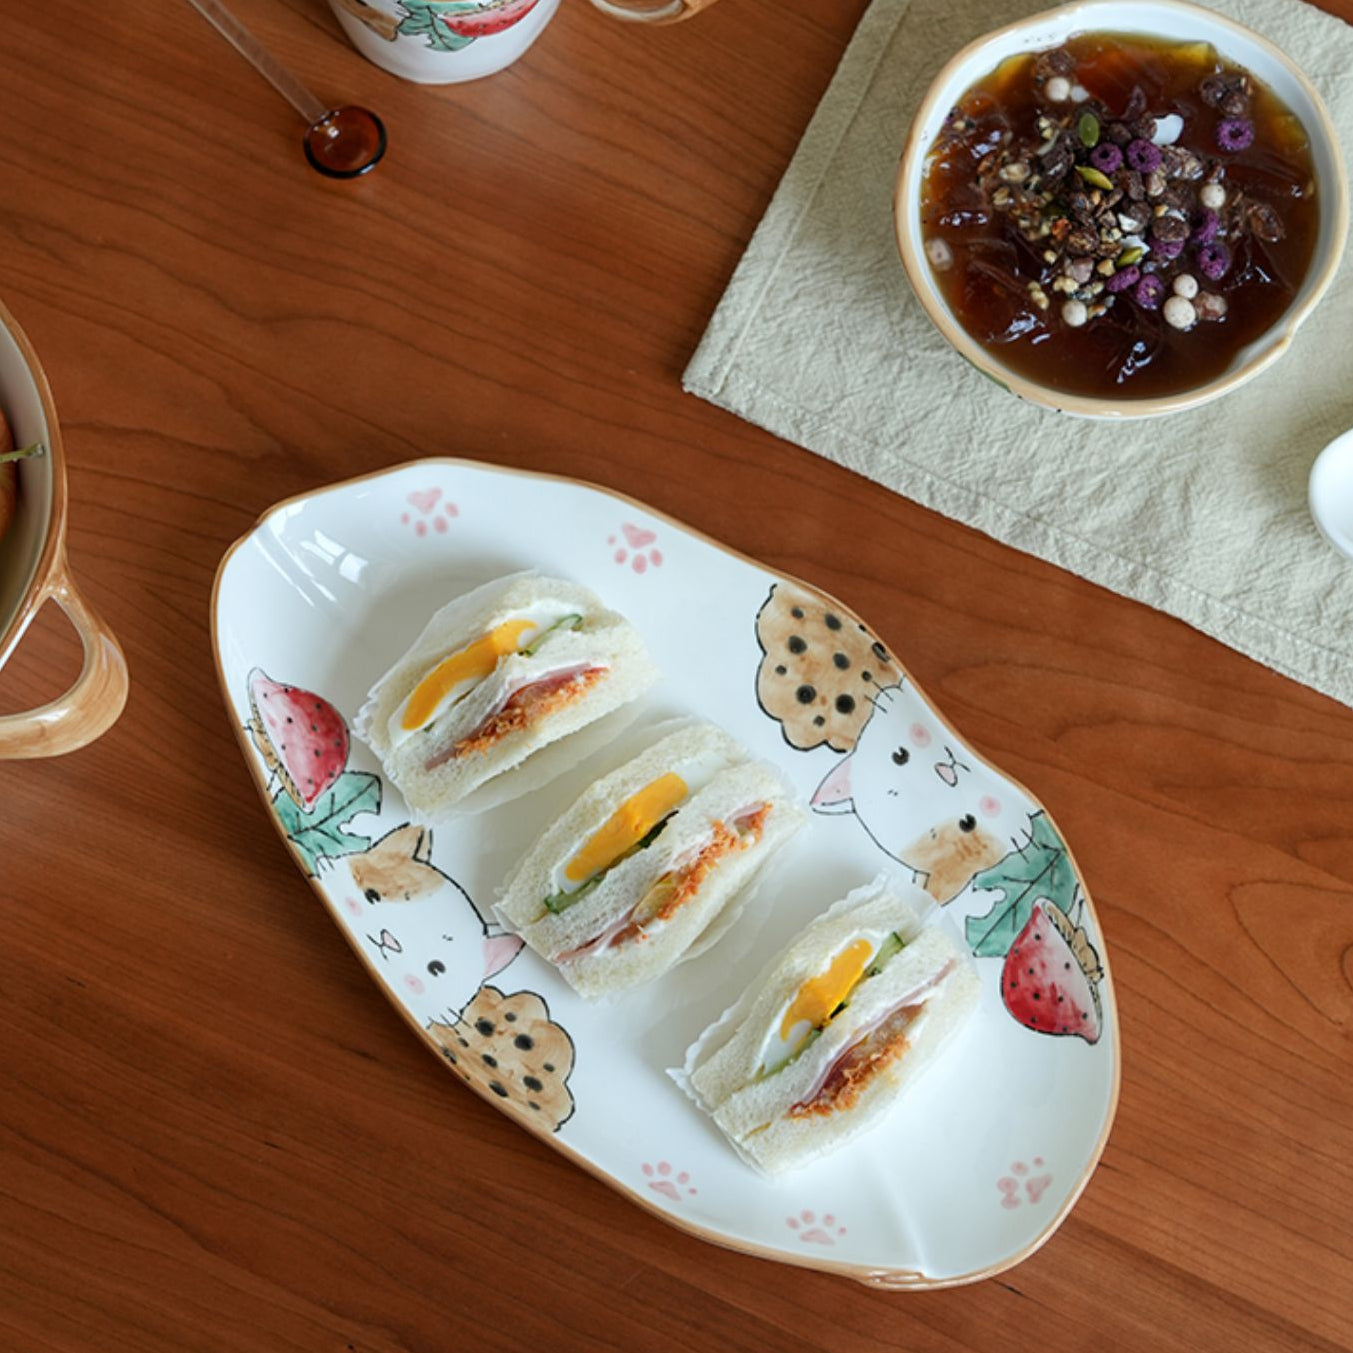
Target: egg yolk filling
x=452 y=679
x=632 y=827
x=821 y=998
x=471 y=663
x=672 y=890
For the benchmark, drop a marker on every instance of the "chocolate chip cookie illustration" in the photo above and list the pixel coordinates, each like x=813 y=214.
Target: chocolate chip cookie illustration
x=509 y=1046
x=818 y=670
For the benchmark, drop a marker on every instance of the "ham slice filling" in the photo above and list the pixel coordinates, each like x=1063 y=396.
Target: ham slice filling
x=881 y=1045
x=675 y=888
x=521 y=708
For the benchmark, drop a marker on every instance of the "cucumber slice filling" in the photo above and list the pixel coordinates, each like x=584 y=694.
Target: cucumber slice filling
x=562 y=901
x=568 y=622
x=887 y=951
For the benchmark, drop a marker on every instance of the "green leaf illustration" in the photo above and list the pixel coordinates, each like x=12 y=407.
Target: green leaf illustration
x=1039 y=869
x=320 y=833
x=422 y=19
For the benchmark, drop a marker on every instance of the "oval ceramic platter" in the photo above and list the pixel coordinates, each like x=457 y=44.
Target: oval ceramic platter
x=988 y=1151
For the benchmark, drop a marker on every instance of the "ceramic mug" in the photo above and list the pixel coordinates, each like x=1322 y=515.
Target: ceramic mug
x=33 y=570
x=445 y=41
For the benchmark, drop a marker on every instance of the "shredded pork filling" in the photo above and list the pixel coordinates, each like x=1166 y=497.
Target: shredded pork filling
x=523 y=707
x=675 y=888
x=879 y=1047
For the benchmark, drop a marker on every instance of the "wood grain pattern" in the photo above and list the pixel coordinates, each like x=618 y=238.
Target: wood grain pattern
x=193 y=1060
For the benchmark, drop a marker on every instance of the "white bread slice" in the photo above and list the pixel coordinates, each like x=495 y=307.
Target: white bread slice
x=422 y=766
x=721 y=1072
x=609 y=969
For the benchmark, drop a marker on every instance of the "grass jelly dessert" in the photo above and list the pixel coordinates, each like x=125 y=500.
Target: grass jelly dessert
x=1120 y=215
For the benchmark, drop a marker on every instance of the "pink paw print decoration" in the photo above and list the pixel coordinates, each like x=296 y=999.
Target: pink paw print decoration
x=1035 y=1185
x=813 y=1230
x=430 y=512
x=662 y=1180
x=635 y=546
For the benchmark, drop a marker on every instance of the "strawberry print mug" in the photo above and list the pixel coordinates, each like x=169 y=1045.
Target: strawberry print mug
x=445 y=41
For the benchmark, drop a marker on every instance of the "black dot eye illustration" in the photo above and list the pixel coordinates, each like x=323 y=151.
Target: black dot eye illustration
x=967 y=823
x=901 y=757
x=436 y=967
x=372 y=895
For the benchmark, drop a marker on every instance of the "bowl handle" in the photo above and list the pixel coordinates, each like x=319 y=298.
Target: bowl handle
x=91 y=706
x=652 y=11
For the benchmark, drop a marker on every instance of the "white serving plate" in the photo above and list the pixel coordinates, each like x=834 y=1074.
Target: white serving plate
x=986 y=1155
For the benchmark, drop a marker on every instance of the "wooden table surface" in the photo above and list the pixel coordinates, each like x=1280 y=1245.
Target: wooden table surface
x=193 y=1060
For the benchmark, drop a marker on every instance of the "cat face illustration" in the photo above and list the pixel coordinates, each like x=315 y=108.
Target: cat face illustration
x=398 y=869
x=923 y=799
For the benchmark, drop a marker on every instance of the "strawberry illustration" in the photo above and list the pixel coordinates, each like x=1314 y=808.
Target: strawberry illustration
x=1048 y=981
x=492 y=18
x=301 y=737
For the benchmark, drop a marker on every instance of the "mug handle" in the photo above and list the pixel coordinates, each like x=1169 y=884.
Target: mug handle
x=92 y=704
x=652 y=11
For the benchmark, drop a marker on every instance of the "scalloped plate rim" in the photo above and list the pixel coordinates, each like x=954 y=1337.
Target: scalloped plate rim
x=875 y=1276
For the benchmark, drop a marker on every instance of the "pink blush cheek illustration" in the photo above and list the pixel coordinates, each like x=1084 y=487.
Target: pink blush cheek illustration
x=989 y=806
x=920 y=735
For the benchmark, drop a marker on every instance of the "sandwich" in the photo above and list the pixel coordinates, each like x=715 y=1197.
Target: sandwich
x=837 y=1026
x=495 y=676
x=650 y=862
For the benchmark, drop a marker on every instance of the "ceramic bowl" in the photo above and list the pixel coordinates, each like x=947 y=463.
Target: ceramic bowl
x=1331 y=493
x=1159 y=18
x=33 y=570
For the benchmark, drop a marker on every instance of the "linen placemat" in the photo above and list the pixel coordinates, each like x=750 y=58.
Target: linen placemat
x=820 y=340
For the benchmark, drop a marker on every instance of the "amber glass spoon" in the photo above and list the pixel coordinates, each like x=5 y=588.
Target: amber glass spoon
x=340 y=142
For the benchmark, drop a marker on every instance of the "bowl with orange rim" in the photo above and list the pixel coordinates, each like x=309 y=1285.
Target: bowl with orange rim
x=33 y=567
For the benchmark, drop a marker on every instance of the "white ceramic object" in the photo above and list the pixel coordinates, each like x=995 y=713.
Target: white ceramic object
x=1330 y=493
x=439 y=42
x=1159 y=18
x=986 y=1155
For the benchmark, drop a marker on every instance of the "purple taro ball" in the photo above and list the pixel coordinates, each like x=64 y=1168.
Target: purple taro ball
x=1143 y=156
x=1121 y=281
x=1107 y=158
x=1213 y=261
x=1150 y=292
x=1235 y=133
x=1206 y=230
x=1167 y=249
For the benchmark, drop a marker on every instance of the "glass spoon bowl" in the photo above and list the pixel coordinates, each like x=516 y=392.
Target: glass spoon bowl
x=341 y=143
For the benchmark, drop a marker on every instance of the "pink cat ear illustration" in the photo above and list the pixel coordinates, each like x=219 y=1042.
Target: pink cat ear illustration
x=834 y=794
x=499 y=951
